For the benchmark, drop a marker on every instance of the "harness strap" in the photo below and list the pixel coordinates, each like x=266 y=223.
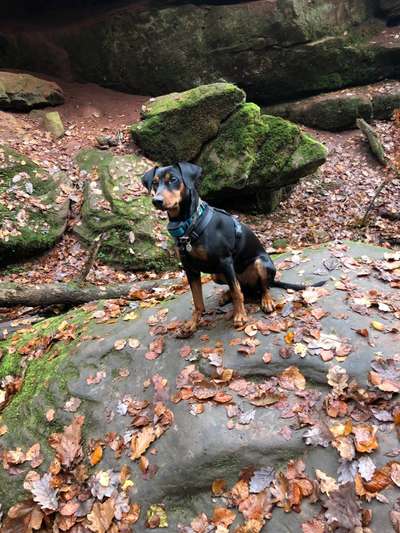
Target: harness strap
x=188 y=232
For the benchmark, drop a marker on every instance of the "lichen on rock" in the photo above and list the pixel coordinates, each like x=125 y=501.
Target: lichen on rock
x=135 y=236
x=33 y=206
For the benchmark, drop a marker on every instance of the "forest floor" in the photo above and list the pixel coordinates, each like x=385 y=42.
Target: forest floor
x=322 y=208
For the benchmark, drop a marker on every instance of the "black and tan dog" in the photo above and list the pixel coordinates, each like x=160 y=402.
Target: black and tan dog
x=212 y=241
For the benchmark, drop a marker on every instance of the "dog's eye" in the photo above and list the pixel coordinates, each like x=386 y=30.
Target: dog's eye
x=173 y=179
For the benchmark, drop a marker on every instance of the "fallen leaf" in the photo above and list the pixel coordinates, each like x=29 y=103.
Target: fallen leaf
x=141 y=441
x=96 y=455
x=101 y=516
x=378 y=325
x=365 y=438
x=291 y=378
x=327 y=484
x=156 y=517
x=68 y=443
x=44 y=494
x=120 y=344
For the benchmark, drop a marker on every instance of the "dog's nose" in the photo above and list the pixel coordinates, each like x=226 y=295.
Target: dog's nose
x=158 y=202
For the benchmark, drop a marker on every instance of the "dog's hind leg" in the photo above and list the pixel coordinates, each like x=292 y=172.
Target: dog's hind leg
x=266 y=274
x=226 y=296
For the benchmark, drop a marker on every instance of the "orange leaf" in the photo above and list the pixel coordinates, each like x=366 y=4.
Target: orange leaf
x=218 y=487
x=96 y=455
x=223 y=516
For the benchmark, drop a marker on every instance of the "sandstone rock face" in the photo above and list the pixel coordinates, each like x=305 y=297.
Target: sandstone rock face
x=23 y=92
x=273 y=50
x=339 y=110
x=115 y=205
x=249 y=160
x=33 y=206
x=89 y=358
x=176 y=125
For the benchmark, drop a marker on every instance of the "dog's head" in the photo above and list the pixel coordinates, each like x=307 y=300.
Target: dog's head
x=172 y=186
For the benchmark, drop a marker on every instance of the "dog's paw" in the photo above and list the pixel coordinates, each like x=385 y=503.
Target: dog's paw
x=184 y=333
x=267 y=305
x=240 y=320
x=225 y=298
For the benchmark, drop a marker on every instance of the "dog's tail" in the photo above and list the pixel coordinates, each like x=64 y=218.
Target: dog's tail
x=295 y=286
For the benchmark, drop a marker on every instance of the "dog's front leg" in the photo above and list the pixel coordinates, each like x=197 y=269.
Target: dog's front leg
x=239 y=311
x=194 y=279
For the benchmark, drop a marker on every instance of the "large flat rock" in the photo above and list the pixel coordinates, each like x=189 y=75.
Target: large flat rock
x=343 y=328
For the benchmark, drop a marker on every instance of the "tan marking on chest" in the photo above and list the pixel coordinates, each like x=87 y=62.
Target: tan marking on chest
x=199 y=252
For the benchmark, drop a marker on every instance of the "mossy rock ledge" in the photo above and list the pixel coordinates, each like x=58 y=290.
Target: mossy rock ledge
x=250 y=162
x=135 y=235
x=339 y=110
x=34 y=206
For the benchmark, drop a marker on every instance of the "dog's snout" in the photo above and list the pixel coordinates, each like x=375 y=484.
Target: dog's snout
x=158 y=202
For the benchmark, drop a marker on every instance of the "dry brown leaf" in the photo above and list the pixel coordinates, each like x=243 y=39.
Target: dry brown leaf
x=101 y=516
x=291 y=378
x=365 y=438
x=68 y=444
x=141 y=441
x=327 y=484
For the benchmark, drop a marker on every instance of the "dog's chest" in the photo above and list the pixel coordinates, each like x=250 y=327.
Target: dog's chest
x=197 y=258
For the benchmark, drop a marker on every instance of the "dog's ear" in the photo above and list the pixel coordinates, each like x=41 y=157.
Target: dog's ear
x=148 y=178
x=190 y=173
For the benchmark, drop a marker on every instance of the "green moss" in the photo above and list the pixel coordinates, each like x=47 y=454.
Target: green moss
x=176 y=125
x=255 y=159
x=227 y=161
x=308 y=156
x=44 y=386
x=170 y=103
x=26 y=229
x=282 y=138
x=136 y=238
x=10 y=363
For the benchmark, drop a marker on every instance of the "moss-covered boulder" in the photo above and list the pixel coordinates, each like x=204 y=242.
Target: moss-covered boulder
x=175 y=126
x=135 y=235
x=24 y=92
x=339 y=110
x=255 y=159
x=33 y=206
x=53 y=123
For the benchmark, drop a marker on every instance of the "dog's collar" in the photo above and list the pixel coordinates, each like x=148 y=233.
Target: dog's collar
x=189 y=230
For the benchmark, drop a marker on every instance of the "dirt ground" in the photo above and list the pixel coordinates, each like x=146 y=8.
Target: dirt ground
x=321 y=208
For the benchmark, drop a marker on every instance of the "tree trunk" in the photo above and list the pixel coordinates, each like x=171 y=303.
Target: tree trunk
x=12 y=294
x=374 y=143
